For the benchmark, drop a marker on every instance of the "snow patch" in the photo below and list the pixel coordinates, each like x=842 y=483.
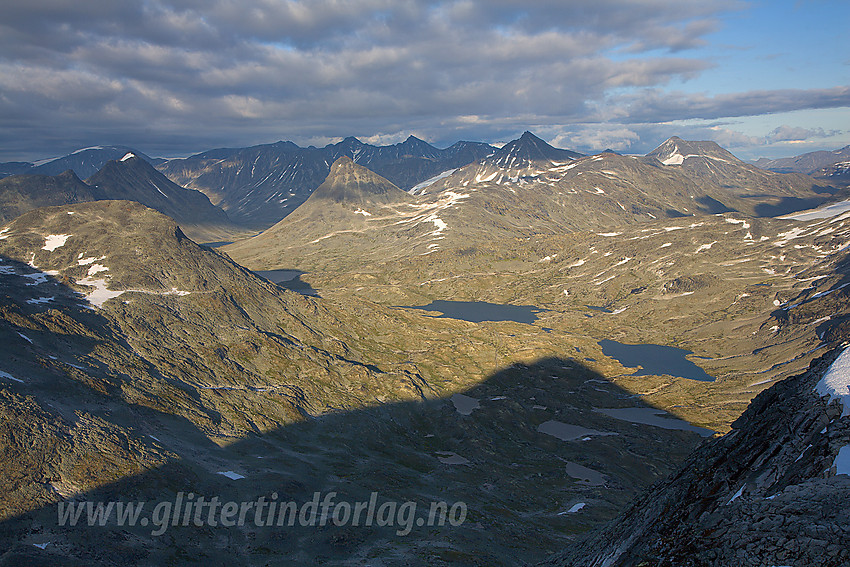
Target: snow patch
x=842 y=461
x=54 y=241
x=737 y=494
x=479 y=179
x=450 y=458
x=465 y=405
x=231 y=475
x=10 y=377
x=822 y=213
x=575 y=508
x=744 y=224
x=362 y=212
x=835 y=382
x=674 y=159
x=39 y=278
x=706 y=246
x=128 y=155
x=100 y=295
x=96 y=269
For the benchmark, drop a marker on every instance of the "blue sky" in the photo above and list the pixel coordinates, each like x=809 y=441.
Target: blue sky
x=172 y=77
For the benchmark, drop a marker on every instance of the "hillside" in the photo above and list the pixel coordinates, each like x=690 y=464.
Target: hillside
x=774 y=491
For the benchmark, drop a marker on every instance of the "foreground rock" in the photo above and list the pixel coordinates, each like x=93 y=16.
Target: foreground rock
x=774 y=491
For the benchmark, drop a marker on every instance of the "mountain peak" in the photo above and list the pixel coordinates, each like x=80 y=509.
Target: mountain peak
x=675 y=150
x=528 y=148
x=348 y=182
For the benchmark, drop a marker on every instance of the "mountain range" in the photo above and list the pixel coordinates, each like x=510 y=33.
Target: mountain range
x=83 y=162
x=668 y=396
x=523 y=190
x=129 y=178
x=809 y=163
x=260 y=185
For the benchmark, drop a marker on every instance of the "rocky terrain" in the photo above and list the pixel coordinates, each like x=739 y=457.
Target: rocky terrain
x=22 y=193
x=774 y=491
x=809 y=163
x=516 y=193
x=142 y=365
x=133 y=179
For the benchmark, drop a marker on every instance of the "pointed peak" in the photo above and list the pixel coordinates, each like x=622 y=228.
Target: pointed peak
x=528 y=148
x=350 y=183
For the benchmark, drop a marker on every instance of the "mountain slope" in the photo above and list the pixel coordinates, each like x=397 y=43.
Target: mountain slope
x=353 y=185
x=132 y=178
x=740 y=186
x=260 y=185
x=484 y=204
x=137 y=365
x=22 y=193
x=774 y=491
x=352 y=200
x=529 y=148
x=87 y=161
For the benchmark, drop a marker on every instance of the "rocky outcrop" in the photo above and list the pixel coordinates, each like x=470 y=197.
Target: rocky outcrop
x=767 y=493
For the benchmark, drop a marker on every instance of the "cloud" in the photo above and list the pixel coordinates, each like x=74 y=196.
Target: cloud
x=655 y=105
x=787 y=133
x=180 y=75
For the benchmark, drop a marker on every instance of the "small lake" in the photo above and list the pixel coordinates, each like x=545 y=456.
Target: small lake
x=654 y=417
x=289 y=279
x=570 y=432
x=655 y=360
x=478 y=311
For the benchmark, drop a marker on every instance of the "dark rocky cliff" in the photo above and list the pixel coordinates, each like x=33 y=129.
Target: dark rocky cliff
x=765 y=494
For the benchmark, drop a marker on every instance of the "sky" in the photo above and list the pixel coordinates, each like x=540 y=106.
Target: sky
x=175 y=77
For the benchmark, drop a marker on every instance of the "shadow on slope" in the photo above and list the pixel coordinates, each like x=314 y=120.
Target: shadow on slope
x=525 y=493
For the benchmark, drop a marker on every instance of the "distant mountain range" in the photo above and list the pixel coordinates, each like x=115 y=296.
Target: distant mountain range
x=810 y=163
x=527 y=187
x=128 y=178
x=84 y=162
x=260 y=185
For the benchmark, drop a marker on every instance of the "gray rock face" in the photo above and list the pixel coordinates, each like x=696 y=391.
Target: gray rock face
x=765 y=494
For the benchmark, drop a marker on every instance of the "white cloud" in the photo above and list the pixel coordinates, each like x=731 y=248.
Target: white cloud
x=198 y=74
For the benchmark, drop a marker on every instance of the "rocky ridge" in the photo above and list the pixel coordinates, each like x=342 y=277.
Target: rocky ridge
x=773 y=491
